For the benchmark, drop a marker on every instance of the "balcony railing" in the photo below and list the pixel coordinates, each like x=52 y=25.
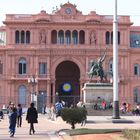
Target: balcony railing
x=26 y=76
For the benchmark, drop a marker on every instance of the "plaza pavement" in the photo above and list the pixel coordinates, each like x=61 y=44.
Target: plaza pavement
x=47 y=129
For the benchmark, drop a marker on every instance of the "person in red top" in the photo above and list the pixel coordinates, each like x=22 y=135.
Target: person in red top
x=104 y=105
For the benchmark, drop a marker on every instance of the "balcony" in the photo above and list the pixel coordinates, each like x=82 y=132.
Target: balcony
x=26 y=76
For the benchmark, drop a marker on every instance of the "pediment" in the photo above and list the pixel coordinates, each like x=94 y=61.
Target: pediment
x=67 y=9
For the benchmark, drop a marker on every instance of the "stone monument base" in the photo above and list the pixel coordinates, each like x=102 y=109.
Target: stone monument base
x=97 y=92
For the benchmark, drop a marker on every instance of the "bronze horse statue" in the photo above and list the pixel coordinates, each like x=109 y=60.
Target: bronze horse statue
x=97 y=69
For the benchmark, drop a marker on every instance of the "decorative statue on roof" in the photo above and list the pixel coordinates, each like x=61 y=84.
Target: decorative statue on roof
x=97 y=68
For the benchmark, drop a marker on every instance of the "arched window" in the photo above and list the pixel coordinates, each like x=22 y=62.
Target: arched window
x=22 y=37
x=54 y=37
x=17 y=37
x=28 y=37
x=22 y=66
x=22 y=95
x=75 y=37
x=68 y=37
x=111 y=65
x=82 y=37
x=107 y=37
x=136 y=69
x=61 y=37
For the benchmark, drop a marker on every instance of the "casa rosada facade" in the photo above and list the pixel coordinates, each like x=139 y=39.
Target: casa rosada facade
x=49 y=55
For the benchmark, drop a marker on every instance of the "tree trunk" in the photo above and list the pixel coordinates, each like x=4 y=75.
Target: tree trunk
x=72 y=125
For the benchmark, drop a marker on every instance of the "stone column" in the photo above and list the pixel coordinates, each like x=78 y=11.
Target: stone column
x=48 y=93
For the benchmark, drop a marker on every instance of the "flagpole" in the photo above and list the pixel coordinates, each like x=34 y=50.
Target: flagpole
x=115 y=65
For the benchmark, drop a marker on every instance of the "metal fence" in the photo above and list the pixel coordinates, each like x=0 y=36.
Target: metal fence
x=40 y=101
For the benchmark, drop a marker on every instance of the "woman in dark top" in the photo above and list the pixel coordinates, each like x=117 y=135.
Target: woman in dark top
x=31 y=117
x=19 y=115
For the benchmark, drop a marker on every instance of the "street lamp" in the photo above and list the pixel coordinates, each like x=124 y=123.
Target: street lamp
x=33 y=81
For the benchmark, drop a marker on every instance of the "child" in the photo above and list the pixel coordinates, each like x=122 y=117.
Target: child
x=12 y=121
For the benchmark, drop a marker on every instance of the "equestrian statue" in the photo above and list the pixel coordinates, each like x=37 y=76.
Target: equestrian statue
x=97 y=68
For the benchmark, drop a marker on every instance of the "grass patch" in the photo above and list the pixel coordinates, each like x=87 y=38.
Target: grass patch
x=83 y=131
x=131 y=134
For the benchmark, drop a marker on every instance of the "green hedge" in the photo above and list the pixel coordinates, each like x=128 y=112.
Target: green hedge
x=74 y=115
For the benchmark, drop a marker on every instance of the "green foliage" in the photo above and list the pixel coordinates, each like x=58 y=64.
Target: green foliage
x=73 y=115
x=132 y=134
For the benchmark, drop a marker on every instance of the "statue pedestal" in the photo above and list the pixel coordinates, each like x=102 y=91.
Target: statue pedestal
x=94 y=92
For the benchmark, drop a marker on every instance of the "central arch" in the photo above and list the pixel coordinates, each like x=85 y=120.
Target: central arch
x=68 y=82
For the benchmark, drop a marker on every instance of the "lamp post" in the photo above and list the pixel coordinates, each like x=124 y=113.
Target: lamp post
x=115 y=65
x=33 y=81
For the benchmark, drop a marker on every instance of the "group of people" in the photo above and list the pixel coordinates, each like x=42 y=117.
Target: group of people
x=55 y=110
x=15 y=117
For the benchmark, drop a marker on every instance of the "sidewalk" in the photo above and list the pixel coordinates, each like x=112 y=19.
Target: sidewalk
x=46 y=129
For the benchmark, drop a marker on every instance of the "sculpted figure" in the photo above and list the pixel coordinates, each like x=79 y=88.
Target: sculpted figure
x=42 y=37
x=93 y=38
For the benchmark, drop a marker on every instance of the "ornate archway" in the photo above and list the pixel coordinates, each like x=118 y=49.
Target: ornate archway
x=67 y=77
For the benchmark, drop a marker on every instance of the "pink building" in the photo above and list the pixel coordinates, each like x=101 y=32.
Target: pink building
x=57 y=50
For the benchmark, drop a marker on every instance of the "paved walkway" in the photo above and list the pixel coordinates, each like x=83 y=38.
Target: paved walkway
x=46 y=129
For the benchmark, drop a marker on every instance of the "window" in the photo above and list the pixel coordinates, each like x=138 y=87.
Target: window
x=17 y=37
x=27 y=37
x=75 y=37
x=118 y=37
x=107 y=36
x=22 y=95
x=136 y=95
x=111 y=37
x=136 y=69
x=22 y=36
x=81 y=37
x=2 y=38
x=61 y=37
x=68 y=37
x=22 y=66
x=54 y=37
x=42 y=68
x=135 y=40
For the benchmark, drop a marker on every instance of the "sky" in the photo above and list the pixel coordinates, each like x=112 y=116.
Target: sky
x=102 y=7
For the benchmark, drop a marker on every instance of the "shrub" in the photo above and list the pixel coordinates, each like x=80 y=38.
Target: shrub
x=73 y=115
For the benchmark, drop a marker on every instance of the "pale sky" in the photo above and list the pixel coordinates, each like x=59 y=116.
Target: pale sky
x=102 y=7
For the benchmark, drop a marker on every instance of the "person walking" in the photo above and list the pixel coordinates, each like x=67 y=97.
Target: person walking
x=58 y=107
x=12 y=121
x=31 y=117
x=19 y=115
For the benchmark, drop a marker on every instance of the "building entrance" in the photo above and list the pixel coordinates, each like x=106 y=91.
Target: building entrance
x=67 y=82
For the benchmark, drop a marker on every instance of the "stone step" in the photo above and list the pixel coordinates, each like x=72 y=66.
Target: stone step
x=107 y=112
x=92 y=112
